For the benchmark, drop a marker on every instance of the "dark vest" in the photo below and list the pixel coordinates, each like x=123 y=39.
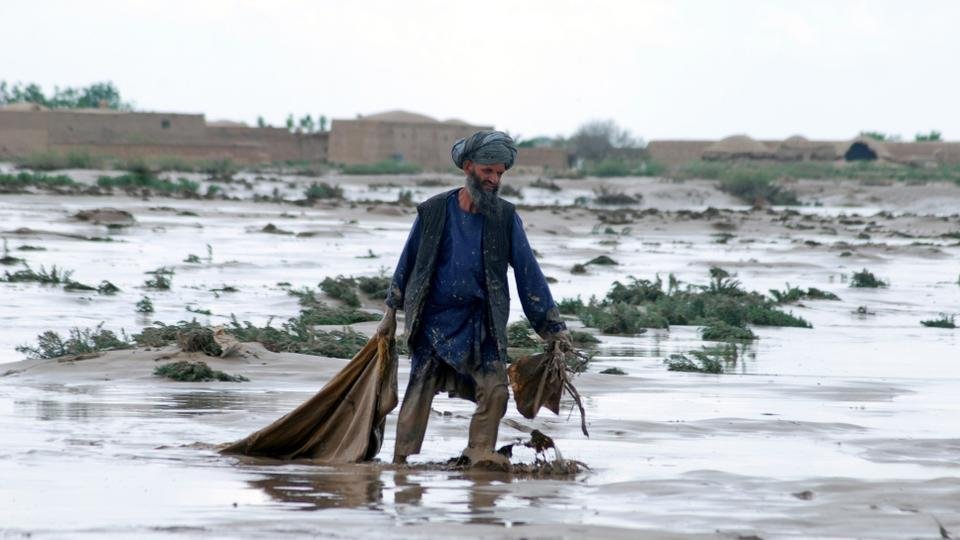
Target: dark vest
x=496 y=254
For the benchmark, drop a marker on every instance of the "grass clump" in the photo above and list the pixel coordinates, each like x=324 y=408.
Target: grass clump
x=322 y=190
x=145 y=305
x=383 y=167
x=795 y=294
x=341 y=288
x=7 y=259
x=706 y=360
x=607 y=196
x=865 y=279
x=144 y=179
x=944 y=321
x=185 y=371
x=613 y=371
x=161 y=279
x=548 y=185
x=107 y=288
x=53 y=276
x=50 y=344
x=51 y=160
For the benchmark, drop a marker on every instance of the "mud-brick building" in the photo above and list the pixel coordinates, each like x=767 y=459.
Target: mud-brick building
x=26 y=129
x=419 y=139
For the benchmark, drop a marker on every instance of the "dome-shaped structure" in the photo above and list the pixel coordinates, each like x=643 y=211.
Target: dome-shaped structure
x=799 y=148
x=736 y=147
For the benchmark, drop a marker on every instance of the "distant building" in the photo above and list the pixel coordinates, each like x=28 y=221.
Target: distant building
x=675 y=153
x=26 y=129
x=416 y=138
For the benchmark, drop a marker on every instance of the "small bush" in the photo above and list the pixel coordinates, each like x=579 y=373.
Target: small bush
x=613 y=371
x=161 y=279
x=144 y=179
x=545 y=184
x=107 y=288
x=866 y=280
x=322 y=190
x=184 y=371
x=752 y=185
x=607 y=196
x=145 y=305
x=80 y=341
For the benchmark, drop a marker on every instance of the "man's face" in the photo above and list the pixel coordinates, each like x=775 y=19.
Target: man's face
x=489 y=176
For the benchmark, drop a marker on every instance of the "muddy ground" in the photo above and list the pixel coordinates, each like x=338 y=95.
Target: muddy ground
x=845 y=430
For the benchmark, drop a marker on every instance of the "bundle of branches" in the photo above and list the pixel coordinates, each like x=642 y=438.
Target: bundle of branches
x=539 y=380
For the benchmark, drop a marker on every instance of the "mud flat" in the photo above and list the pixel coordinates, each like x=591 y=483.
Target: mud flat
x=845 y=430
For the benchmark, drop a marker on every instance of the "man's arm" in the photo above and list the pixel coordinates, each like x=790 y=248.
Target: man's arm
x=398 y=284
x=535 y=297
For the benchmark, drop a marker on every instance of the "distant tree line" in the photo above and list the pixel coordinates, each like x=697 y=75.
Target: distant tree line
x=305 y=124
x=99 y=95
x=932 y=136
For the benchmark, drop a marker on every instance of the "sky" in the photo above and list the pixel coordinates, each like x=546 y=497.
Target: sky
x=682 y=69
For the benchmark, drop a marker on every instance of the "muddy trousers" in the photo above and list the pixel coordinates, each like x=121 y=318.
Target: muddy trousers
x=491 y=397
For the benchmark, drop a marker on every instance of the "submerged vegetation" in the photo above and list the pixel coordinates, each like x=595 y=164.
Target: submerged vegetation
x=944 y=321
x=323 y=190
x=865 y=279
x=721 y=304
x=706 y=360
x=795 y=294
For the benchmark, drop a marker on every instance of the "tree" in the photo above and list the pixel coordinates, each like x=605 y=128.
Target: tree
x=880 y=136
x=322 y=122
x=100 y=95
x=290 y=123
x=933 y=136
x=596 y=139
x=261 y=123
x=306 y=124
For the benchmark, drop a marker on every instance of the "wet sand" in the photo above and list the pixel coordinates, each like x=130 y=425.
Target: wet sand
x=846 y=430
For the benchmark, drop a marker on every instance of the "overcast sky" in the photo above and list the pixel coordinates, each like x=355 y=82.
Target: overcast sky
x=662 y=69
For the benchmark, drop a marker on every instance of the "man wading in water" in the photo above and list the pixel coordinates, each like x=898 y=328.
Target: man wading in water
x=451 y=283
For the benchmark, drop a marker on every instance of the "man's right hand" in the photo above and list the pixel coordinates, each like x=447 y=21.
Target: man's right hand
x=388 y=326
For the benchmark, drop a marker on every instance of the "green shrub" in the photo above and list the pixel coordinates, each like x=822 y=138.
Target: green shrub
x=375 y=287
x=602 y=260
x=944 y=321
x=145 y=305
x=147 y=180
x=54 y=276
x=620 y=318
x=795 y=294
x=322 y=190
x=161 y=279
x=581 y=338
x=866 y=280
x=570 y=306
x=80 y=341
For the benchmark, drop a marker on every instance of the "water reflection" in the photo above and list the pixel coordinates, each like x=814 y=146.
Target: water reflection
x=461 y=496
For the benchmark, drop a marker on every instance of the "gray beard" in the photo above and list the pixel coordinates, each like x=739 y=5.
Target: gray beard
x=487 y=202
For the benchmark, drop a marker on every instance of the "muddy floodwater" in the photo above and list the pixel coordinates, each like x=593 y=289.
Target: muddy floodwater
x=849 y=429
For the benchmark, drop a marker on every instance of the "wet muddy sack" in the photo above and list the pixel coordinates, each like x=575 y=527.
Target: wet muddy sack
x=343 y=422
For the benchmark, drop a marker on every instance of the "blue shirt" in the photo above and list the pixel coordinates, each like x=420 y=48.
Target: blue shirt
x=454 y=324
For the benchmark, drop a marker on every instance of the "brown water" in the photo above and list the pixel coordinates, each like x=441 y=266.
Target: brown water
x=848 y=430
